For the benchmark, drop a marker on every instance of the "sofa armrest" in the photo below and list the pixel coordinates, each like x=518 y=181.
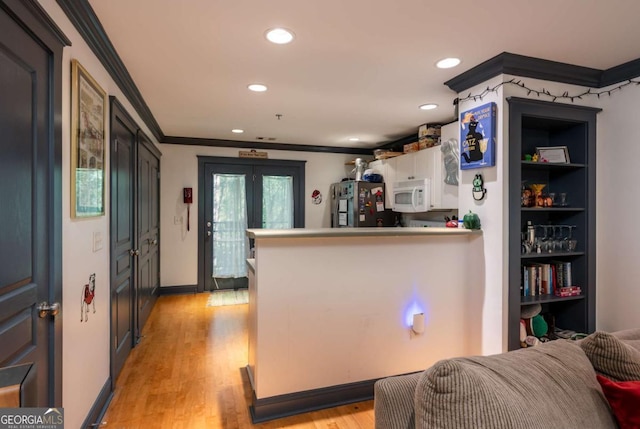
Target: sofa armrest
x=393 y=401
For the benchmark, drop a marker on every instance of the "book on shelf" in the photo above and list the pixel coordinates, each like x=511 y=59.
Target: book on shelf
x=569 y=291
x=546 y=278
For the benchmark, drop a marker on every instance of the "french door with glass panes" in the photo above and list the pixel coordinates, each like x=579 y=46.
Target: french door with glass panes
x=237 y=195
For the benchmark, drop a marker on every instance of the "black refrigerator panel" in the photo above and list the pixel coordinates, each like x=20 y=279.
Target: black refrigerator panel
x=357 y=204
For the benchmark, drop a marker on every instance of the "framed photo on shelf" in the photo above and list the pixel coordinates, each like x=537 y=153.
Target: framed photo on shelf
x=478 y=137
x=553 y=154
x=88 y=109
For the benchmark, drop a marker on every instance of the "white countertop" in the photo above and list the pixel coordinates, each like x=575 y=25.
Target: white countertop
x=355 y=232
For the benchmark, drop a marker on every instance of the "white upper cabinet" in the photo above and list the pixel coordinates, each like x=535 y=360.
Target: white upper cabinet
x=428 y=164
x=406 y=167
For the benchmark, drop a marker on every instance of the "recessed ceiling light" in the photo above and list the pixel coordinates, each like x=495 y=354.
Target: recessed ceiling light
x=430 y=106
x=237 y=131
x=447 y=63
x=354 y=139
x=257 y=87
x=280 y=36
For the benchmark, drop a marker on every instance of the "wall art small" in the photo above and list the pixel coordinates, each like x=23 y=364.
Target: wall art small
x=316 y=197
x=88 y=298
x=478 y=137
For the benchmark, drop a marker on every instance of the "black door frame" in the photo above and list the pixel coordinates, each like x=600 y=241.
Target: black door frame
x=298 y=209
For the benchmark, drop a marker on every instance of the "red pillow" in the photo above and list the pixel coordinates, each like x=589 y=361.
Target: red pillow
x=623 y=397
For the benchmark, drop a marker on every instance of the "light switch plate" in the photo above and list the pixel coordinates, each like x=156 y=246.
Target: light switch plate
x=97 y=241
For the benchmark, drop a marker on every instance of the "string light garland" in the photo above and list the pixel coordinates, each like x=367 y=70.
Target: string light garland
x=564 y=96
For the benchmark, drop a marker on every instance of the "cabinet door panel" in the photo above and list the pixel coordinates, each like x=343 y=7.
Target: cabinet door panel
x=423 y=164
x=405 y=167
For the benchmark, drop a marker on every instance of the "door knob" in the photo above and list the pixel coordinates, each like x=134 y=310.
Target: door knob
x=208 y=233
x=45 y=309
x=134 y=252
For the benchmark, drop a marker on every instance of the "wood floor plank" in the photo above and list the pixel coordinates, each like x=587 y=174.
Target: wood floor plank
x=188 y=373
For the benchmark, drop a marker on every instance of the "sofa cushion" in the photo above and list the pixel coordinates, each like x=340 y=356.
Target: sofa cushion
x=393 y=401
x=616 y=356
x=623 y=397
x=550 y=385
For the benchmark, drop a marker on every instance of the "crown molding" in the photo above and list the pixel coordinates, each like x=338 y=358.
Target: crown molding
x=617 y=74
x=537 y=68
x=84 y=19
x=264 y=145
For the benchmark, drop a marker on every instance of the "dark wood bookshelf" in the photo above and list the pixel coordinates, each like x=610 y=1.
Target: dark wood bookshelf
x=553 y=255
x=544 y=299
x=537 y=124
x=548 y=165
x=553 y=209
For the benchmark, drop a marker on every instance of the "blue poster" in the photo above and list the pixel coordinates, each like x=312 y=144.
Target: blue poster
x=478 y=137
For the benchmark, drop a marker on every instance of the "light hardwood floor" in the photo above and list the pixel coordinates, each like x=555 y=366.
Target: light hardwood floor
x=188 y=373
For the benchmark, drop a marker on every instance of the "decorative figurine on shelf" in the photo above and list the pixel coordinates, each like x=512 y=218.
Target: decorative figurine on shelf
x=534 y=157
x=526 y=197
x=471 y=221
x=537 y=188
x=527 y=157
x=478 y=188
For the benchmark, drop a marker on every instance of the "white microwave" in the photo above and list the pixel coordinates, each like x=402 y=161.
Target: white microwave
x=412 y=196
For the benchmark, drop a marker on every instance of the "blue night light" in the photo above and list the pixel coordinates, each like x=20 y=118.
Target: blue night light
x=414 y=307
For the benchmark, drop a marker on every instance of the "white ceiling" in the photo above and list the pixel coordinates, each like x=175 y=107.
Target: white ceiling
x=357 y=68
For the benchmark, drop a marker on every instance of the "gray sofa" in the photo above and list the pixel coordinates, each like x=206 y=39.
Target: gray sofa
x=550 y=385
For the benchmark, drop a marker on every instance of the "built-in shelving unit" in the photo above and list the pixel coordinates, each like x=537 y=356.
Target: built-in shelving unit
x=539 y=124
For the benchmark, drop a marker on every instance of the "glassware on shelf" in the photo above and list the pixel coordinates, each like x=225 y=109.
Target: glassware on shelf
x=551 y=238
x=572 y=243
x=562 y=202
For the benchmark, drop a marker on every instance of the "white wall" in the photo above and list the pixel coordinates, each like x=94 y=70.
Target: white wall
x=618 y=152
x=492 y=211
x=179 y=169
x=85 y=344
x=341 y=313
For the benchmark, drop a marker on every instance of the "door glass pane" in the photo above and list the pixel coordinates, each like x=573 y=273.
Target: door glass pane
x=230 y=242
x=277 y=202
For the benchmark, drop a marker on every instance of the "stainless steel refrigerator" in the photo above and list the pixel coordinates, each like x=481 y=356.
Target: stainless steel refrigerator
x=357 y=204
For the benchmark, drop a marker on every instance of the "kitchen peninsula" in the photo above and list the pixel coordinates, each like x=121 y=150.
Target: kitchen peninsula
x=330 y=310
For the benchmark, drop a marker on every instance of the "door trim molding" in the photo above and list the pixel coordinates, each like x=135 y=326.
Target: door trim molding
x=202 y=161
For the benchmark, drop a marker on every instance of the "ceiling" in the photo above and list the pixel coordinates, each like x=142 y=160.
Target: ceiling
x=357 y=68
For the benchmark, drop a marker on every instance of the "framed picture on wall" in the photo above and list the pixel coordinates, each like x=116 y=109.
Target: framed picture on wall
x=478 y=137
x=88 y=109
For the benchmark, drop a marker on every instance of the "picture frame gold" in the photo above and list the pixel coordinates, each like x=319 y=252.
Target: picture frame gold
x=553 y=154
x=88 y=120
